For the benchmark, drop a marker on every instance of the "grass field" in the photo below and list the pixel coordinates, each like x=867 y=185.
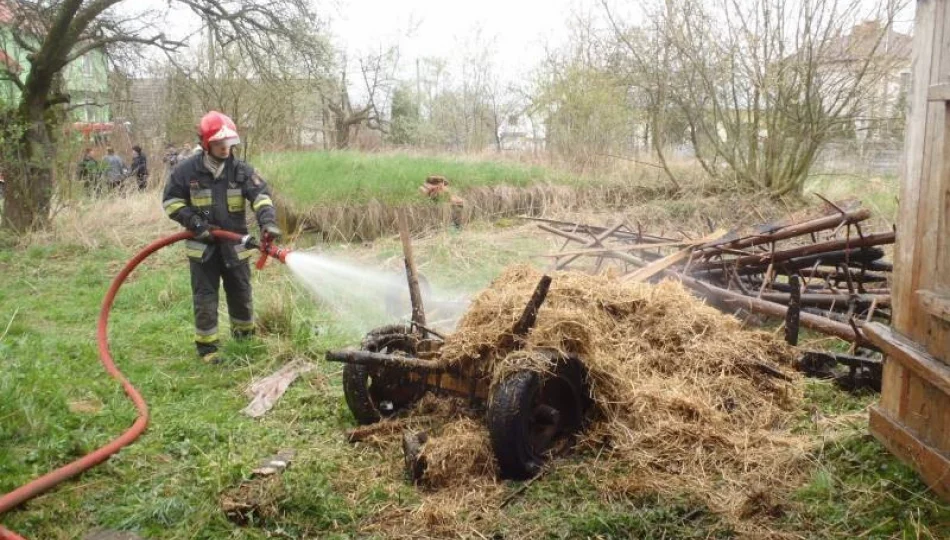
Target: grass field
x=879 y=193
x=313 y=178
x=58 y=404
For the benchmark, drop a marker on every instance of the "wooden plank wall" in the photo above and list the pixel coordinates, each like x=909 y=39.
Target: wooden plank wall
x=912 y=419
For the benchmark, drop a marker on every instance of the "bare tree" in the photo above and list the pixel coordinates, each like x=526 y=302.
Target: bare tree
x=761 y=85
x=583 y=98
x=56 y=33
x=272 y=101
x=377 y=82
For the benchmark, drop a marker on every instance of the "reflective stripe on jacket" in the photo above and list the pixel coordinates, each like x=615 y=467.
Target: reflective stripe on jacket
x=192 y=189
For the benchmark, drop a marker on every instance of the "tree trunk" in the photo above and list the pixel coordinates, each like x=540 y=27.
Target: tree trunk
x=29 y=189
x=342 y=134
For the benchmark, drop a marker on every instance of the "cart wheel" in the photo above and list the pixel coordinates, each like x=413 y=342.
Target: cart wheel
x=374 y=393
x=532 y=413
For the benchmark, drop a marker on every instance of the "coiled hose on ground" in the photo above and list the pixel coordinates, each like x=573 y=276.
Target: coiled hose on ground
x=49 y=480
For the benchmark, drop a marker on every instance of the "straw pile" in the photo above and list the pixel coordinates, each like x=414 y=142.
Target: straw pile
x=686 y=399
x=460 y=451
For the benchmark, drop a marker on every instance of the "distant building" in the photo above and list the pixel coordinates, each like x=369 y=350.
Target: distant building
x=165 y=109
x=520 y=133
x=86 y=80
x=880 y=113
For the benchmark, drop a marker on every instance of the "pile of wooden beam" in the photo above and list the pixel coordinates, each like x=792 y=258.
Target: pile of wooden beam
x=821 y=270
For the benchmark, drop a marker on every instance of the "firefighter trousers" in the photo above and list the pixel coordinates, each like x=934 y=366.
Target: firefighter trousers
x=206 y=279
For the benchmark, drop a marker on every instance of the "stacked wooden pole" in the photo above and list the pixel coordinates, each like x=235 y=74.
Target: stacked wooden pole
x=830 y=271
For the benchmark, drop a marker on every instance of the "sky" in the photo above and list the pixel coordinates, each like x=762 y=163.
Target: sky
x=516 y=32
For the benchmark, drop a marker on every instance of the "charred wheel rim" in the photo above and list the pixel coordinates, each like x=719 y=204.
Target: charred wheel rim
x=534 y=414
x=376 y=393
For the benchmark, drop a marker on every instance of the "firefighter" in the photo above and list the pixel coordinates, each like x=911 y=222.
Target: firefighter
x=211 y=189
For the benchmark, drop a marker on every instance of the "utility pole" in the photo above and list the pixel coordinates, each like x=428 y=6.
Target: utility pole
x=211 y=62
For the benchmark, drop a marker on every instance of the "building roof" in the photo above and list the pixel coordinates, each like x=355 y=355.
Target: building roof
x=863 y=39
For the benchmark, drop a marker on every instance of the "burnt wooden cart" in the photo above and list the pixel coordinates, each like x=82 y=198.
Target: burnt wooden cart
x=529 y=414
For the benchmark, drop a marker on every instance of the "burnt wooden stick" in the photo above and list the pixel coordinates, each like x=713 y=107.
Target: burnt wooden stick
x=415 y=295
x=840 y=317
x=875 y=266
x=858 y=256
x=580 y=239
x=560 y=264
x=836 y=274
x=580 y=227
x=793 y=314
x=815 y=288
x=827 y=300
x=766 y=280
x=515 y=339
x=530 y=314
x=372 y=359
x=848 y=246
x=606 y=251
x=734 y=299
x=790 y=231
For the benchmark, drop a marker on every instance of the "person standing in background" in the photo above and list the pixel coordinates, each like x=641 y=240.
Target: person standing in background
x=115 y=168
x=88 y=171
x=139 y=167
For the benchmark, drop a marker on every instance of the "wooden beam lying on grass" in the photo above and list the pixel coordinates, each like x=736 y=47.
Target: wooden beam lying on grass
x=756 y=305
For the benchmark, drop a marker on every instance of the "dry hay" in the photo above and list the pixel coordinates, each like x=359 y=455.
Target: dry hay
x=682 y=400
x=253 y=501
x=460 y=451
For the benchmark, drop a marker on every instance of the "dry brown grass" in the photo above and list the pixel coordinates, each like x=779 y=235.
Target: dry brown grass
x=125 y=218
x=460 y=451
x=368 y=221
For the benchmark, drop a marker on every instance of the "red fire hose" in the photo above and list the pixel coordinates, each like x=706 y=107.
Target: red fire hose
x=51 y=479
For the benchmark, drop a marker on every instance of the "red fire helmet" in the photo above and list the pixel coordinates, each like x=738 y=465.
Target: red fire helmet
x=216 y=126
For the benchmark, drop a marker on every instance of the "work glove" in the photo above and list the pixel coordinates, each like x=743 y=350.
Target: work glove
x=199 y=226
x=273 y=231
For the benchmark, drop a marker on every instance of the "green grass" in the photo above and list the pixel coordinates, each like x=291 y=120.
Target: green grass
x=879 y=193
x=57 y=404
x=313 y=178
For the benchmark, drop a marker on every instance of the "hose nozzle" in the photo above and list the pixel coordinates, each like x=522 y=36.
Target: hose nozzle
x=265 y=245
x=268 y=249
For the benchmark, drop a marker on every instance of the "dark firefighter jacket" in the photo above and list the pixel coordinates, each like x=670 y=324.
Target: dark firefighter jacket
x=192 y=189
